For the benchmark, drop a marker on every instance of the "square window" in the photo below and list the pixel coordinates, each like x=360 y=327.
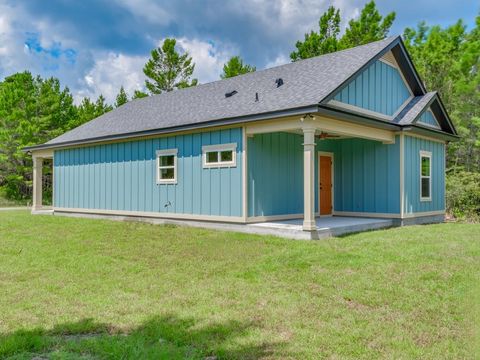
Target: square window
x=167 y=166
x=425 y=187
x=226 y=156
x=167 y=160
x=425 y=166
x=212 y=157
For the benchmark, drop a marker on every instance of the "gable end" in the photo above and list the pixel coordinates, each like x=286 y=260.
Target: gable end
x=380 y=90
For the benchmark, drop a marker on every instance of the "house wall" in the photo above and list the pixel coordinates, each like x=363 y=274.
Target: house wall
x=122 y=176
x=412 y=148
x=366 y=175
x=378 y=88
x=275 y=174
x=428 y=118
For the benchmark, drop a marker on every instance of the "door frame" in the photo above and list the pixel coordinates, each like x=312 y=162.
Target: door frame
x=332 y=171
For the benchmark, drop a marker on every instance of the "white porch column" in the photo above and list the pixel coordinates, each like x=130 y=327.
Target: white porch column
x=309 y=223
x=37 y=182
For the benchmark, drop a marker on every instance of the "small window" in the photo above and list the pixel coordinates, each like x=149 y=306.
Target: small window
x=425 y=176
x=221 y=155
x=167 y=166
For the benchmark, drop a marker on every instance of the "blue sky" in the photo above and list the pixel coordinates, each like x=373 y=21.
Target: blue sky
x=95 y=47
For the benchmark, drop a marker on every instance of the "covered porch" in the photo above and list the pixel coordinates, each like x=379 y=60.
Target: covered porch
x=315 y=167
x=42 y=169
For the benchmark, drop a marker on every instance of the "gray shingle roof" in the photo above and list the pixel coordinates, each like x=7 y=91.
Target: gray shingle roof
x=414 y=108
x=306 y=83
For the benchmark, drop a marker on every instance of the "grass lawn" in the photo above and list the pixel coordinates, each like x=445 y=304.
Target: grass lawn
x=87 y=289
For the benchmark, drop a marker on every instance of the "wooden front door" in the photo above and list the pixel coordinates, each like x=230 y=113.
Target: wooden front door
x=325 y=184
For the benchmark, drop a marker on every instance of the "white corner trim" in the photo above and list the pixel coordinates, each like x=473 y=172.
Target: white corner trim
x=167 y=152
x=244 y=174
x=218 y=148
x=426 y=154
x=402 y=174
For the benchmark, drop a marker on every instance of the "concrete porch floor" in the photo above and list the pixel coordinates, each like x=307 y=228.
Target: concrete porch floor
x=291 y=229
x=326 y=226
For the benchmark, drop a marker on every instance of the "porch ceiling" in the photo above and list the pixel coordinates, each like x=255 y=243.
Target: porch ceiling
x=322 y=124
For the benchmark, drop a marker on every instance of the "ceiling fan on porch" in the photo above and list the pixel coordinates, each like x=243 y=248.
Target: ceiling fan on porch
x=324 y=135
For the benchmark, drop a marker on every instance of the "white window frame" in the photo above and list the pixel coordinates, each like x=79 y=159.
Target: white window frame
x=219 y=148
x=426 y=154
x=167 y=152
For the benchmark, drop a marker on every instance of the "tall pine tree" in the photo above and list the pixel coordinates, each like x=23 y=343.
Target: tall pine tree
x=168 y=70
x=235 y=67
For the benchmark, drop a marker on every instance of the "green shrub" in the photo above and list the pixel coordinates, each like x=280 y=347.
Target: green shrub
x=463 y=195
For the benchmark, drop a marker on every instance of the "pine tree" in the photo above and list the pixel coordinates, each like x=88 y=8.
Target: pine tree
x=370 y=26
x=168 y=70
x=121 y=98
x=324 y=42
x=137 y=94
x=235 y=67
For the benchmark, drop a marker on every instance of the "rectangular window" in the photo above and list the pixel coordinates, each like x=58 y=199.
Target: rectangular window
x=425 y=176
x=167 y=166
x=221 y=155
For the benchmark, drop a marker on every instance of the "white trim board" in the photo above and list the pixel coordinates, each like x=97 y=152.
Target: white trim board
x=259 y=219
x=389 y=215
x=219 y=148
x=227 y=219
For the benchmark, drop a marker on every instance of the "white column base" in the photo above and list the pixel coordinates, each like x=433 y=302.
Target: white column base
x=309 y=225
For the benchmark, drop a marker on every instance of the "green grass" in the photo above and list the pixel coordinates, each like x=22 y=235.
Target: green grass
x=85 y=289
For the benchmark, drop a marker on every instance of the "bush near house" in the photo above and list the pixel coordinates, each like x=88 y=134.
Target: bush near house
x=463 y=195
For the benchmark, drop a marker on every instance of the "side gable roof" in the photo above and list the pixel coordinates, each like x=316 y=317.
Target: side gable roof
x=307 y=86
x=305 y=83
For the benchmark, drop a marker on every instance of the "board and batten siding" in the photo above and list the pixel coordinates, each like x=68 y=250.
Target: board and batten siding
x=379 y=88
x=429 y=119
x=413 y=147
x=122 y=176
x=366 y=175
x=275 y=174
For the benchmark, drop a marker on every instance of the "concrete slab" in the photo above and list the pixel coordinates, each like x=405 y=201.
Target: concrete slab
x=291 y=229
x=326 y=226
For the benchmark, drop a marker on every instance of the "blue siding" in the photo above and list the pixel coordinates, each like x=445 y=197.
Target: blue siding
x=122 y=176
x=366 y=175
x=378 y=88
x=428 y=119
x=275 y=174
x=413 y=146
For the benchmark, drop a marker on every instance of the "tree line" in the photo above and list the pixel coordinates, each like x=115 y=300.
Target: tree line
x=34 y=110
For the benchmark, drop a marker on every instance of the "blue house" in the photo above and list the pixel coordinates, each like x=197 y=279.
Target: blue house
x=352 y=133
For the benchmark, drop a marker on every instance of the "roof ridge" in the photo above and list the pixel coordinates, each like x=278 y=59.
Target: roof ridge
x=388 y=40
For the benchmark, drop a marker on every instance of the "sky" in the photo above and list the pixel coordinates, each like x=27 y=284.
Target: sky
x=94 y=47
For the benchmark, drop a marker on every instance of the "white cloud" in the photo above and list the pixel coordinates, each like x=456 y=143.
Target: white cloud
x=109 y=73
x=279 y=60
x=147 y=10
x=209 y=58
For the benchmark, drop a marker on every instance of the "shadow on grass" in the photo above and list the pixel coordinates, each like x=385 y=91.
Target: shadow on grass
x=166 y=337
